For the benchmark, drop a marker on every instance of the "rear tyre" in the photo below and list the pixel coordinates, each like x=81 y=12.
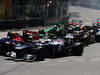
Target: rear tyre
x=79 y=50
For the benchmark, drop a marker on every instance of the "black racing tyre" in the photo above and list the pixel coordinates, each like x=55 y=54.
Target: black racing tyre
x=40 y=57
x=79 y=50
x=5 y=48
x=97 y=38
x=57 y=51
x=92 y=39
x=1 y=51
x=40 y=54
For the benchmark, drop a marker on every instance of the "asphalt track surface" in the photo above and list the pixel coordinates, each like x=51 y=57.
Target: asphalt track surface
x=88 y=64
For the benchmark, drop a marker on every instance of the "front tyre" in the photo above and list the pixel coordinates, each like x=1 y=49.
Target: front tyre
x=77 y=50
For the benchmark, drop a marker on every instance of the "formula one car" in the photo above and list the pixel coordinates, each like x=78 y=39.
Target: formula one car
x=17 y=47
x=56 y=31
x=85 y=36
